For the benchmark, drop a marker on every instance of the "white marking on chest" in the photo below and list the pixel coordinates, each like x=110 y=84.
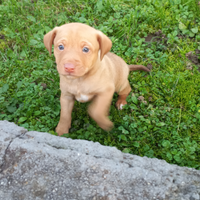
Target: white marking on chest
x=82 y=98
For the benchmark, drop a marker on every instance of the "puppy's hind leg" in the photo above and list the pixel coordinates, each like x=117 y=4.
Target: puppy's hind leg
x=122 y=96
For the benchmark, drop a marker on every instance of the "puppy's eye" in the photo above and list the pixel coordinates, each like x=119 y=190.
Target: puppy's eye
x=85 y=50
x=61 y=47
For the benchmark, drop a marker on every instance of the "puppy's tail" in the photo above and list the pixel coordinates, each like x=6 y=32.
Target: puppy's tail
x=138 y=67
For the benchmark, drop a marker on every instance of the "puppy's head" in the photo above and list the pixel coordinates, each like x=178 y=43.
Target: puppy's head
x=76 y=48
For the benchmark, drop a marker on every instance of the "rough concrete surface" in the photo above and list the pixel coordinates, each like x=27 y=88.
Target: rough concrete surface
x=38 y=166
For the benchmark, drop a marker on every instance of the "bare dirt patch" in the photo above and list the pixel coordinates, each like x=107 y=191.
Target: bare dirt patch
x=194 y=57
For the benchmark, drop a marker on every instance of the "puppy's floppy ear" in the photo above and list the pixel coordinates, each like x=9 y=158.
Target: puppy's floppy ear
x=105 y=43
x=49 y=38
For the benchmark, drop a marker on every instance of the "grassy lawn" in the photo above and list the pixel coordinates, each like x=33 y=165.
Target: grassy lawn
x=162 y=118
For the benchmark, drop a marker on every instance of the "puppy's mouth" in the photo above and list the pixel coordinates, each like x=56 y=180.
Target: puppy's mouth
x=70 y=76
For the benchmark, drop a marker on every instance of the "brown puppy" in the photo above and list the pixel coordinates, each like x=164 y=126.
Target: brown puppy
x=88 y=72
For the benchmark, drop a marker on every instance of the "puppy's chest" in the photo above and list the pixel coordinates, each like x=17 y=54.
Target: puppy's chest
x=81 y=94
x=81 y=97
x=82 y=91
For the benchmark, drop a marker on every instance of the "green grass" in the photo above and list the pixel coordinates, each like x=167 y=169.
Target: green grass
x=165 y=126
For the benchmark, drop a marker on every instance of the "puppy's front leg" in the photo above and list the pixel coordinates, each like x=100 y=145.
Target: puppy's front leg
x=67 y=103
x=99 y=108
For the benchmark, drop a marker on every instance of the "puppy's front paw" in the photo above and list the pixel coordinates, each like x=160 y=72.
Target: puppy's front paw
x=106 y=124
x=60 y=129
x=120 y=104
